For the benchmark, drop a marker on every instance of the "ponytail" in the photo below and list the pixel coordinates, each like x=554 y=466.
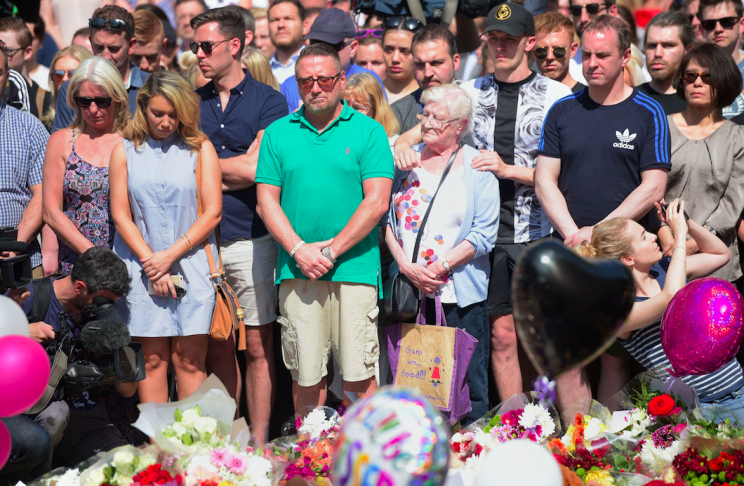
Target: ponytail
x=609 y=240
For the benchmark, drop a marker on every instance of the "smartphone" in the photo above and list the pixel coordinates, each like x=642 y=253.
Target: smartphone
x=664 y=207
x=177 y=282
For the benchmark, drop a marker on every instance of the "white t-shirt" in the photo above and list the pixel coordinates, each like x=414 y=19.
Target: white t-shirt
x=443 y=225
x=41 y=77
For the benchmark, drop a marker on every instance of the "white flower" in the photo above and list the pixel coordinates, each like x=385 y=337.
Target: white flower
x=190 y=417
x=205 y=425
x=656 y=458
x=723 y=432
x=638 y=420
x=485 y=440
x=315 y=424
x=71 y=477
x=593 y=428
x=96 y=477
x=178 y=428
x=124 y=481
x=534 y=415
x=145 y=461
x=123 y=458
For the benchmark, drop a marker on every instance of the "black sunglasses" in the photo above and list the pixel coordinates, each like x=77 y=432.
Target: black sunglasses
x=542 y=52
x=323 y=81
x=114 y=24
x=409 y=23
x=726 y=23
x=205 y=46
x=361 y=34
x=591 y=9
x=100 y=101
x=689 y=77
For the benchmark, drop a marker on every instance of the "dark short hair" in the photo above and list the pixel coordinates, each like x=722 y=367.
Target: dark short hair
x=39 y=29
x=321 y=49
x=5 y=57
x=605 y=23
x=101 y=269
x=674 y=19
x=17 y=25
x=83 y=32
x=725 y=78
x=111 y=12
x=248 y=18
x=434 y=33
x=154 y=9
x=229 y=20
x=296 y=3
x=200 y=2
x=738 y=7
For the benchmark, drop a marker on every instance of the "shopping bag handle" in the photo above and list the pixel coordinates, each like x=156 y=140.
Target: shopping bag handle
x=421 y=317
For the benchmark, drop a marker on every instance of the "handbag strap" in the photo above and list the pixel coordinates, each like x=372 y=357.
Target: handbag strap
x=421 y=317
x=431 y=203
x=214 y=273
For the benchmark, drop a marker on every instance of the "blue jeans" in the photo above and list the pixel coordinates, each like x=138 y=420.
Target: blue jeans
x=474 y=320
x=731 y=406
x=29 y=447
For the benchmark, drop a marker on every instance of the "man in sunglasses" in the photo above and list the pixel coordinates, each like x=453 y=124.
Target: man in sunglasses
x=333 y=27
x=235 y=111
x=112 y=37
x=555 y=47
x=324 y=179
x=604 y=152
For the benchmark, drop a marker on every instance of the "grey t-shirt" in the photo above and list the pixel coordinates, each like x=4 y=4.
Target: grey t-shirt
x=406 y=109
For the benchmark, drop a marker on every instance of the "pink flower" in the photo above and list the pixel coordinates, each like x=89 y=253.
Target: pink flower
x=679 y=428
x=236 y=464
x=248 y=449
x=219 y=457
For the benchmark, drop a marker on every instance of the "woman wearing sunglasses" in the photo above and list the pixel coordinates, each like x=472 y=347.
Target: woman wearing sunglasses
x=708 y=152
x=76 y=174
x=61 y=69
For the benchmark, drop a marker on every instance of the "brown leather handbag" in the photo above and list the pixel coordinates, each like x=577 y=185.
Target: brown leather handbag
x=227 y=315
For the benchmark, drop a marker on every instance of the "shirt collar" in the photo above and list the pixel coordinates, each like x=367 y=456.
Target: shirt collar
x=275 y=62
x=164 y=143
x=135 y=77
x=237 y=90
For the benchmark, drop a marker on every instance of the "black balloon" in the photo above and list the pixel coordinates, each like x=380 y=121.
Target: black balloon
x=568 y=309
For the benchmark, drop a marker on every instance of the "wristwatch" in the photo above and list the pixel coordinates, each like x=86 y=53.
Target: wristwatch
x=327 y=253
x=446 y=266
x=710 y=229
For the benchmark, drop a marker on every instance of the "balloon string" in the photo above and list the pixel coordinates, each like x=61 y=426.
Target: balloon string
x=673 y=373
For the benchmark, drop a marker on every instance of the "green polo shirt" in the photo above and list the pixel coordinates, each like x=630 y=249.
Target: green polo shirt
x=321 y=178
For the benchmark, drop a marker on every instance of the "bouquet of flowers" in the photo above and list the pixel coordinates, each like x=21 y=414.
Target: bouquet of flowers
x=119 y=466
x=726 y=469
x=226 y=466
x=191 y=428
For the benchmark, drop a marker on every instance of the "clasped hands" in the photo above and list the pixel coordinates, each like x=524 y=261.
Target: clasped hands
x=311 y=261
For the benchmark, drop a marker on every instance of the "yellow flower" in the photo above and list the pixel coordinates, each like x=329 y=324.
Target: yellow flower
x=600 y=477
x=226 y=483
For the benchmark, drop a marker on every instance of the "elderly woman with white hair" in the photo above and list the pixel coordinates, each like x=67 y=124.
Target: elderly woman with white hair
x=76 y=166
x=445 y=255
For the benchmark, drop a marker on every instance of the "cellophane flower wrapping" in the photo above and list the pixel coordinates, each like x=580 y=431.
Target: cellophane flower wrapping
x=119 y=466
x=650 y=384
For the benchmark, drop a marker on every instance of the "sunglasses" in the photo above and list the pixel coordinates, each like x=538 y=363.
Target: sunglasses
x=59 y=74
x=591 y=9
x=114 y=24
x=409 y=23
x=100 y=101
x=542 y=52
x=361 y=34
x=726 y=23
x=323 y=81
x=690 y=77
x=205 y=46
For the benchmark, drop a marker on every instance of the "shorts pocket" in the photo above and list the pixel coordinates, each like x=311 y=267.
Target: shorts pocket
x=290 y=351
x=371 y=342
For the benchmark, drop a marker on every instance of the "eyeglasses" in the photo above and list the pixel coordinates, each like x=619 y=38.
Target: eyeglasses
x=363 y=109
x=361 y=34
x=591 y=9
x=11 y=52
x=433 y=122
x=114 y=24
x=726 y=22
x=338 y=46
x=409 y=23
x=100 y=101
x=59 y=74
x=542 y=52
x=690 y=77
x=324 y=82
x=205 y=46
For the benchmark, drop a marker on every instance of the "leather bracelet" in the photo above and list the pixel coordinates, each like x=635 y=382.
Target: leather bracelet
x=294 y=250
x=187 y=241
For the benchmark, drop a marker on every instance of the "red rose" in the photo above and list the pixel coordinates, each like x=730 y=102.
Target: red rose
x=661 y=406
x=600 y=447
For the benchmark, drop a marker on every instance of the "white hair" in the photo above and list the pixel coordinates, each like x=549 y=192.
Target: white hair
x=453 y=97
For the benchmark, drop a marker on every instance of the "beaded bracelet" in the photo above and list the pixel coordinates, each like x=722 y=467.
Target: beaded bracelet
x=294 y=250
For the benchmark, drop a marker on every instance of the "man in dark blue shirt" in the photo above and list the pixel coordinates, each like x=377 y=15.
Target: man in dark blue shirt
x=604 y=153
x=235 y=111
x=111 y=37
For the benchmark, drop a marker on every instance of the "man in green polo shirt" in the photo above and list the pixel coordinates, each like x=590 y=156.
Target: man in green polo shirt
x=324 y=178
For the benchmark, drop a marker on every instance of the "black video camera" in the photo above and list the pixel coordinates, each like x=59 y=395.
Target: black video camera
x=15 y=272
x=98 y=351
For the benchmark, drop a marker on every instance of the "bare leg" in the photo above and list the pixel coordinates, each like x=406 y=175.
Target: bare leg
x=157 y=351
x=365 y=386
x=221 y=361
x=260 y=378
x=306 y=398
x=504 y=356
x=614 y=375
x=189 y=357
x=573 y=394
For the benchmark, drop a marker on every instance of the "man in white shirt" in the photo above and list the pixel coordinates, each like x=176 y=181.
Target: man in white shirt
x=287 y=30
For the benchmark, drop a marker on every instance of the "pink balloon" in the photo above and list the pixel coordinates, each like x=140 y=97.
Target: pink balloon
x=4 y=444
x=703 y=326
x=25 y=374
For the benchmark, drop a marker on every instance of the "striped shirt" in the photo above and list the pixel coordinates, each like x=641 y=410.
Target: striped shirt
x=645 y=346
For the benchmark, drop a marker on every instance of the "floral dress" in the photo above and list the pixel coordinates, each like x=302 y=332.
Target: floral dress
x=86 y=204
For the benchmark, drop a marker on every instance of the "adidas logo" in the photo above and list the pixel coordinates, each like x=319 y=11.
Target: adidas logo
x=625 y=138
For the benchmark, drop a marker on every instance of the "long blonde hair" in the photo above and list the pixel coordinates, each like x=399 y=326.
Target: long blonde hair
x=258 y=65
x=177 y=91
x=610 y=239
x=635 y=66
x=100 y=72
x=79 y=53
x=365 y=86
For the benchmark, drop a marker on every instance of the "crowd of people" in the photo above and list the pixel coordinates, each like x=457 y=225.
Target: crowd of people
x=302 y=146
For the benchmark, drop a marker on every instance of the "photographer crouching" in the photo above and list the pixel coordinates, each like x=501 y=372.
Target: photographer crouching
x=76 y=319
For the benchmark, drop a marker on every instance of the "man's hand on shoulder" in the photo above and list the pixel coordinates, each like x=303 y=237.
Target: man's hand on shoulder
x=584 y=234
x=41 y=332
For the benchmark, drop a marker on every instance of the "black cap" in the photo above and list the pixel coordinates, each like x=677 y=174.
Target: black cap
x=332 y=25
x=170 y=34
x=511 y=18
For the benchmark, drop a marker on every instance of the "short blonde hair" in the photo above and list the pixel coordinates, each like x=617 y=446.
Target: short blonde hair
x=456 y=99
x=366 y=86
x=99 y=72
x=79 y=53
x=258 y=65
x=177 y=91
x=610 y=239
x=259 y=12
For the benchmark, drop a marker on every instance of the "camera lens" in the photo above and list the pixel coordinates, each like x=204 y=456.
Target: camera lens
x=127 y=363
